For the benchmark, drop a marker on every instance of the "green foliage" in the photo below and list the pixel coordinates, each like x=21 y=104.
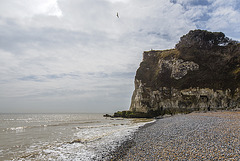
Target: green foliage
x=152 y=114
x=130 y=114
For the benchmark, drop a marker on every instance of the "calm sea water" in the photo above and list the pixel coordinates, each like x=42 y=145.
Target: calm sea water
x=62 y=136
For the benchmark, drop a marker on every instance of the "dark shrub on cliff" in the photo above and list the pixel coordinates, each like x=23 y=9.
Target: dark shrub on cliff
x=130 y=114
x=217 y=56
x=202 y=39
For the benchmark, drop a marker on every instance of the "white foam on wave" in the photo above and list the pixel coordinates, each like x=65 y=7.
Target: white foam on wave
x=97 y=126
x=17 y=129
x=92 y=134
x=93 y=148
x=23 y=128
x=91 y=143
x=9 y=119
x=97 y=143
x=25 y=119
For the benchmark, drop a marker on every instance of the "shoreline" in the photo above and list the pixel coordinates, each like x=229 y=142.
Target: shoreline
x=194 y=136
x=122 y=150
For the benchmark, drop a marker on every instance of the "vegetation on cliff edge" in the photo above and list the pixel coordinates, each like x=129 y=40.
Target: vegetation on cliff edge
x=218 y=58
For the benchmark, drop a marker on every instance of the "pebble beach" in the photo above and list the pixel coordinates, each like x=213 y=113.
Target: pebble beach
x=195 y=136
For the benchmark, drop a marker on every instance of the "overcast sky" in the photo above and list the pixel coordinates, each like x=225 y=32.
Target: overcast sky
x=78 y=56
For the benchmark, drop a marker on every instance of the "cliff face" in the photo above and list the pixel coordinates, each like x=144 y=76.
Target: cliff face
x=201 y=73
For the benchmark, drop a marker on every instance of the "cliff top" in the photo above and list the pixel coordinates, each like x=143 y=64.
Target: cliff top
x=218 y=58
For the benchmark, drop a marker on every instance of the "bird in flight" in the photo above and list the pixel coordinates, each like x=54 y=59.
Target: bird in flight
x=117 y=15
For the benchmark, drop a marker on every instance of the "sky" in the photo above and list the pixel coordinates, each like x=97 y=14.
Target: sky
x=77 y=56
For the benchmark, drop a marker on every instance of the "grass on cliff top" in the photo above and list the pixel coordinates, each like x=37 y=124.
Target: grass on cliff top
x=165 y=53
x=169 y=53
x=236 y=71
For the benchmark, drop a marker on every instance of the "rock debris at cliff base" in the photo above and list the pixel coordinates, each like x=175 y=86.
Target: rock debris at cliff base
x=196 y=136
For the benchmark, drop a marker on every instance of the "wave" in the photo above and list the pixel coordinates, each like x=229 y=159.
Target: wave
x=93 y=137
x=86 y=142
x=8 y=119
x=22 y=128
x=17 y=129
x=97 y=126
x=74 y=123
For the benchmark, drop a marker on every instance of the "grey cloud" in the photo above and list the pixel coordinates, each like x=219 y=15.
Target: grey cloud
x=86 y=59
x=44 y=78
x=165 y=36
x=191 y=2
x=112 y=75
x=12 y=36
x=31 y=78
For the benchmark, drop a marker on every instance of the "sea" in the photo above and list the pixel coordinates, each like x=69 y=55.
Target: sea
x=63 y=136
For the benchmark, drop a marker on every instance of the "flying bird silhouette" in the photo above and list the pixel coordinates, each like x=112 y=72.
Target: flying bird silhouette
x=117 y=15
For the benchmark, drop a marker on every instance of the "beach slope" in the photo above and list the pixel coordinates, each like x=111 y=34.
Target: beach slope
x=195 y=136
